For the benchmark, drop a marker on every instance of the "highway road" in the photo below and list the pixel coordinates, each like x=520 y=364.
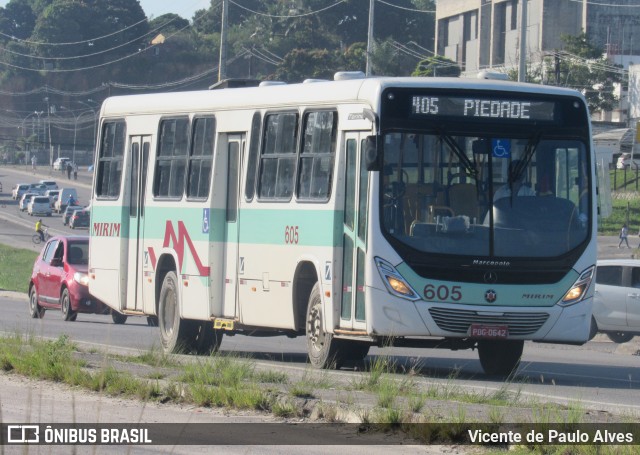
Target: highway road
x=599 y=375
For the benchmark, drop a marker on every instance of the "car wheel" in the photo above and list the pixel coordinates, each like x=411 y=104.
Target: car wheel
x=117 y=317
x=620 y=337
x=35 y=310
x=65 y=304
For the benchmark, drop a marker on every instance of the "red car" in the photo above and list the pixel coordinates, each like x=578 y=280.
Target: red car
x=59 y=279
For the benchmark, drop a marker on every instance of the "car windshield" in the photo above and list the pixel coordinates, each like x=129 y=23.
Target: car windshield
x=78 y=253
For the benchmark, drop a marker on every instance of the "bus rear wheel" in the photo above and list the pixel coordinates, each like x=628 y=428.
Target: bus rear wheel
x=500 y=357
x=323 y=349
x=174 y=331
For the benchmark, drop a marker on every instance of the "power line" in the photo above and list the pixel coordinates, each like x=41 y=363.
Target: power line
x=290 y=16
x=405 y=8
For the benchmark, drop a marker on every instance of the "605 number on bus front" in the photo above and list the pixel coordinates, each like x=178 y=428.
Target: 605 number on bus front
x=442 y=293
x=291 y=236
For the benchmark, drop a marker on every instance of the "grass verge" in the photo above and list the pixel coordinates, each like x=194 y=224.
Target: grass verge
x=233 y=382
x=16 y=277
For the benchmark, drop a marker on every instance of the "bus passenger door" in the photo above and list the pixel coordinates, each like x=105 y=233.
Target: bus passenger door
x=234 y=152
x=137 y=175
x=352 y=308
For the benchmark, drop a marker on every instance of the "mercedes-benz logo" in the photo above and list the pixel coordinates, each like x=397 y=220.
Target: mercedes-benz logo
x=490 y=296
x=490 y=277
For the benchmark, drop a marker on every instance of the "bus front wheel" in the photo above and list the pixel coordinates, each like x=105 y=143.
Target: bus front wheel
x=500 y=357
x=173 y=329
x=323 y=349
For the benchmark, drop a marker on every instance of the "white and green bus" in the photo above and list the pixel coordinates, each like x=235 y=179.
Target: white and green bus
x=423 y=212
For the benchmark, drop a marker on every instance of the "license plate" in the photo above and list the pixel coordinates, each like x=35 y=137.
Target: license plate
x=489 y=331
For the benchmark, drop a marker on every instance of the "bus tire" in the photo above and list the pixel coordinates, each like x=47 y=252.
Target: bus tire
x=593 y=329
x=173 y=329
x=500 y=357
x=323 y=350
x=117 y=317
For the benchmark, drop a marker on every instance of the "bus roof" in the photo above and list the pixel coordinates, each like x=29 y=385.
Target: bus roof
x=317 y=93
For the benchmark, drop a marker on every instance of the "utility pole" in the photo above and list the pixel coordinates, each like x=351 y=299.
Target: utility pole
x=522 y=69
x=370 y=38
x=222 y=62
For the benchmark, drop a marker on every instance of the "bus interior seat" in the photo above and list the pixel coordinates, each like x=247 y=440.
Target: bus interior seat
x=419 y=200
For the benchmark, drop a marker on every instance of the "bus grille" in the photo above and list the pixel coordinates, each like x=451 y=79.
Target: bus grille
x=459 y=321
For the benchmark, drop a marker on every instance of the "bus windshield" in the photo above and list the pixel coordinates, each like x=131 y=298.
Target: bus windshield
x=493 y=196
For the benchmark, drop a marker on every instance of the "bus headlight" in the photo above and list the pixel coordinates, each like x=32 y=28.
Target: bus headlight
x=579 y=288
x=81 y=278
x=394 y=282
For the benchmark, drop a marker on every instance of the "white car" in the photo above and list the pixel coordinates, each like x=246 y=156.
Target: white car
x=39 y=205
x=37 y=188
x=61 y=163
x=61 y=204
x=50 y=184
x=19 y=190
x=24 y=201
x=625 y=161
x=616 y=304
x=53 y=196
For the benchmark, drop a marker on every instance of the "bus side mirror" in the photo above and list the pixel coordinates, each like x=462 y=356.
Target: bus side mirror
x=372 y=154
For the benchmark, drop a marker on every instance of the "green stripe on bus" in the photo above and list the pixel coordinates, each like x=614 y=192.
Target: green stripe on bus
x=257 y=226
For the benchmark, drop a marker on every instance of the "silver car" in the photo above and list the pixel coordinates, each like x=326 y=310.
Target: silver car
x=616 y=304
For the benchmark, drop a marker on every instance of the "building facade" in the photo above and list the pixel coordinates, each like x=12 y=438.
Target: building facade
x=485 y=34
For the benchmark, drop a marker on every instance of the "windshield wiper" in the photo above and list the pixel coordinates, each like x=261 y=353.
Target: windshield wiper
x=468 y=165
x=529 y=150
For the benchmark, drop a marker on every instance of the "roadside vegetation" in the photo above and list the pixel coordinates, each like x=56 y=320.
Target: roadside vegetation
x=16 y=268
x=377 y=397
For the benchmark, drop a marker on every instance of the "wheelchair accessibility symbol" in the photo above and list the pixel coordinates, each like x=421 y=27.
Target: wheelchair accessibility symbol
x=501 y=148
x=205 y=221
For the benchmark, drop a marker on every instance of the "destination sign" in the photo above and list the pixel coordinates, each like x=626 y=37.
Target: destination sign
x=445 y=106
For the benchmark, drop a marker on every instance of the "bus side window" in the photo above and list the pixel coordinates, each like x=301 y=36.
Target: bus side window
x=172 y=156
x=201 y=158
x=110 y=160
x=277 y=163
x=252 y=162
x=317 y=156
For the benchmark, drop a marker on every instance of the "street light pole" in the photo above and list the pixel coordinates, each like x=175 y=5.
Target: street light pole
x=75 y=131
x=95 y=119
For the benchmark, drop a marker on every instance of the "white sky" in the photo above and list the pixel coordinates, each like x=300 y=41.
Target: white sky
x=155 y=8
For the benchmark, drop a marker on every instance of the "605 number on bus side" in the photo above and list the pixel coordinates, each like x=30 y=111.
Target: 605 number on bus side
x=291 y=236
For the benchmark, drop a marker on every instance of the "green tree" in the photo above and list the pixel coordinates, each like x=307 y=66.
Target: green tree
x=437 y=66
x=17 y=20
x=582 y=66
